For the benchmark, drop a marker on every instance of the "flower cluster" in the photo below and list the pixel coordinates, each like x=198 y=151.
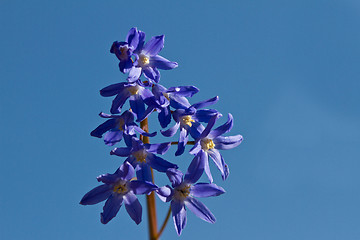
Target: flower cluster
x=194 y=122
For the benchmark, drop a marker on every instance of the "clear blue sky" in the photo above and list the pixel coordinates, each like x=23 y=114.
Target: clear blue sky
x=288 y=71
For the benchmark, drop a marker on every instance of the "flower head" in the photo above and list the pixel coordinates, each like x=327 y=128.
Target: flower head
x=119 y=188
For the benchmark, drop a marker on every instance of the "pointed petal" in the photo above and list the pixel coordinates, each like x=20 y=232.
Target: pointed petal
x=158 y=163
x=151 y=73
x=119 y=101
x=184 y=91
x=225 y=143
x=142 y=132
x=206 y=190
x=200 y=210
x=226 y=127
x=171 y=131
x=143 y=172
x=206 y=103
x=96 y=195
x=112 y=89
x=162 y=63
x=137 y=105
x=196 y=168
x=175 y=176
x=154 y=45
x=141 y=187
x=207 y=169
x=132 y=38
x=112 y=137
x=205 y=115
x=159 y=148
x=216 y=157
x=127 y=171
x=133 y=207
x=195 y=149
x=179 y=215
x=183 y=139
x=111 y=208
x=121 y=152
x=164 y=117
x=104 y=127
x=209 y=126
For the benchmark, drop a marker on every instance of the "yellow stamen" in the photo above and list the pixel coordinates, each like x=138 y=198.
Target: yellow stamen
x=140 y=155
x=144 y=60
x=187 y=120
x=120 y=188
x=207 y=144
x=133 y=90
x=182 y=192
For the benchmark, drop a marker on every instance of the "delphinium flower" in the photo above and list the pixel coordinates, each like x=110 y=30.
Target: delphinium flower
x=123 y=91
x=185 y=118
x=183 y=193
x=119 y=188
x=209 y=142
x=117 y=127
x=142 y=157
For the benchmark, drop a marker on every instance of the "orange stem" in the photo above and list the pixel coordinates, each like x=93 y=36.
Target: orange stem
x=150 y=199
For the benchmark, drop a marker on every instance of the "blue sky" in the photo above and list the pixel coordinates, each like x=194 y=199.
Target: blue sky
x=288 y=71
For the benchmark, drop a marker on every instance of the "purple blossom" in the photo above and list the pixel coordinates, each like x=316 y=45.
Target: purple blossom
x=135 y=92
x=148 y=61
x=182 y=194
x=118 y=188
x=117 y=127
x=188 y=119
x=209 y=142
x=142 y=157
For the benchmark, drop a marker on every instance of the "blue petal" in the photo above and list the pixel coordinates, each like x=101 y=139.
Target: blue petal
x=132 y=38
x=225 y=143
x=162 y=63
x=178 y=102
x=205 y=115
x=205 y=103
x=179 y=215
x=112 y=137
x=195 y=149
x=141 y=41
x=216 y=157
x=171 y=131
x=121 y=152
x=209 y=126
x=196 y=168
x=206 y=190
x=154 y=45
x=165 y=193
x=196 y=129
x=159 y=148
x=127 y=171
x=142 y=132
x=137 y=105
x=111 y=208
x=158 y=163
x=141 y=187
x=125 y=65
x=199 y=209
x=143 y=172
x=112 y=90
x=151 y=74
x=184 y=91
x=96 y=195
x=134 y=74
x=164 y=117
x=207 y=169
x=226 y=127
x=104 y=127
x=119 y=101
x=133 y=207
x=175 y=176
x=109 y=178
x=183 y=139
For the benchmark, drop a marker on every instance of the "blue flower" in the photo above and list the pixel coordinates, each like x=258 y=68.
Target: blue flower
x=117 y=126
x=124 y=50
x=209 y=142
x=183 y=192
x=142 y=157
x=119 y=188
x=188 y=120
x=148 y=61
x=135 y=92
x=164 y=98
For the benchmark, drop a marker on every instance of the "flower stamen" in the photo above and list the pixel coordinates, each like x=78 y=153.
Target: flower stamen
x=140 y=155
x=207 y=144
x=120 y=188
x=144 y=60
x=187 y=120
